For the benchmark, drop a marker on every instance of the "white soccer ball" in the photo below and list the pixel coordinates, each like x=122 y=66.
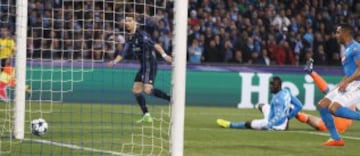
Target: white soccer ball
x=39 y=126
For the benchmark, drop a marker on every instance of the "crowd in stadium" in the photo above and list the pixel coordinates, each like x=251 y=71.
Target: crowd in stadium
x=257 y=32
x=263 y=32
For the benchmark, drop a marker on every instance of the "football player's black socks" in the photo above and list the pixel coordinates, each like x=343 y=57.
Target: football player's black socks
x=140 y=98
x=160 y=94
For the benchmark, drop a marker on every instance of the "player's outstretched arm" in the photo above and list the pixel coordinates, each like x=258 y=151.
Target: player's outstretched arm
x=161 y=51
x=343 y=84
x=297 y=107
x=117 y=59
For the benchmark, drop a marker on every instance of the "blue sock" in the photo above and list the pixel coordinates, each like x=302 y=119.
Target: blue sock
x=347 y=113
x=237 y=125
x=329 y=122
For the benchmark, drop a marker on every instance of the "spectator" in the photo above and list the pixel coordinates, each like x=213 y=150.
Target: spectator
x=264 y=59
x=238 y=59
x=281 y=21
x=285 y=55
x=228 y=50
x=212 y=53
x=195 y=52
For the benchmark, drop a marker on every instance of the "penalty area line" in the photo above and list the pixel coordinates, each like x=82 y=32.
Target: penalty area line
x=71 y=146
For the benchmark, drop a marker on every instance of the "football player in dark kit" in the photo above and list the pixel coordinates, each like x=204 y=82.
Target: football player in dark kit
x=143 y=47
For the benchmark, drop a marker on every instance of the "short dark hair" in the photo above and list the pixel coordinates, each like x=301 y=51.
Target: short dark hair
x=132 y=15
x=277 y=78
x=347 y=27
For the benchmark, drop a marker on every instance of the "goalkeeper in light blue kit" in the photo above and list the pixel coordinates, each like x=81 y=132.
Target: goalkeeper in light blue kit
x=143 y=47
x=283 y=106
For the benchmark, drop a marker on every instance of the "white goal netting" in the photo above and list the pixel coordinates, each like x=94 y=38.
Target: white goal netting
x=89 y=108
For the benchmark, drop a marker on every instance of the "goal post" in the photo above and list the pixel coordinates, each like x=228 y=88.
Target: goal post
x=179 y=78
x=20 y=68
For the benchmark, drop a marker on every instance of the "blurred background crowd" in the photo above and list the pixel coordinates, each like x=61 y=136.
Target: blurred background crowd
x=261 y=32
x=283 y=32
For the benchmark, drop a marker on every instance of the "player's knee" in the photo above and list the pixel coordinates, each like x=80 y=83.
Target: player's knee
x=148 y=90
x=137 y=90
x=333 y=107
x=323 y=103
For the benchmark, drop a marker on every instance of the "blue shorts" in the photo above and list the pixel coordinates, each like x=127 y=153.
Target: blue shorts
x=146 y=76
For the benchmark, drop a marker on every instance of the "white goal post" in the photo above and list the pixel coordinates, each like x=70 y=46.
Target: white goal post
x=178 y=78
x=20 y=68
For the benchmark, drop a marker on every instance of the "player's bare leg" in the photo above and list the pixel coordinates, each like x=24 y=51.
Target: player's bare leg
x=311 y=120
x=148 y=88
x=138 y=89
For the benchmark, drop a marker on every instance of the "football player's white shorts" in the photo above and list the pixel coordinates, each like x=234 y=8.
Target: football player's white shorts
x=347 y=98
x=260 y=124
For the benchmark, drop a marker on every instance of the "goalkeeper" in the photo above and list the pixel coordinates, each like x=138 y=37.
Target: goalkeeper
x=283 y=107
x=7 y=79
x=7 y=46
x=142 y=46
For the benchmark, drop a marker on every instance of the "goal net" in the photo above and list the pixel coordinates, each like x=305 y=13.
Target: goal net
x=89 y=107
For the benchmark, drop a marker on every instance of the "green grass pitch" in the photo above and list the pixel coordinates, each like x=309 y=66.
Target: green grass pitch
x=202 y=136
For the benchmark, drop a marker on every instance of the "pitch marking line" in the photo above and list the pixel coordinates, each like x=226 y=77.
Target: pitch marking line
x=71 y=146
x=323 y=134
x=290 y=131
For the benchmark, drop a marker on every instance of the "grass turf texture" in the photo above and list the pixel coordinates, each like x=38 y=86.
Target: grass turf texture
x=79 y=124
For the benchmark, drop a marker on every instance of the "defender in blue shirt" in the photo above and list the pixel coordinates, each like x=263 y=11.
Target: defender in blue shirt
x=283 y=107
x=347 y=92
x=143 y=47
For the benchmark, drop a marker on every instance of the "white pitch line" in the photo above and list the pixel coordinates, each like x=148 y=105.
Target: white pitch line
x=197 y=129
x=290 y=131
x=71 y=146
x=324 y=134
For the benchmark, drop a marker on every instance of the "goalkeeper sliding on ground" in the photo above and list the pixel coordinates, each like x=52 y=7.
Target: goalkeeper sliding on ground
x=7 y=79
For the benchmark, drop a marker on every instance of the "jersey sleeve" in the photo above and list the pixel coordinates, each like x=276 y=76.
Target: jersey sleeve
x=124 y=51
x=297 y=107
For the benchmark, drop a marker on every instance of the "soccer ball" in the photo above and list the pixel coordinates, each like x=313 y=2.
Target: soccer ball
x=39 y=126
